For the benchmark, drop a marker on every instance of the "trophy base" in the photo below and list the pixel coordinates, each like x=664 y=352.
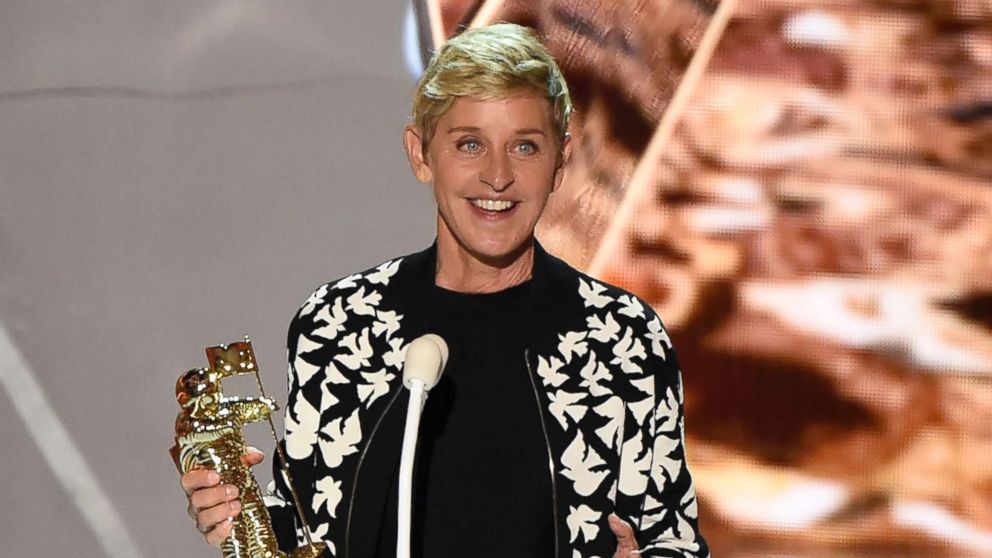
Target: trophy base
x=310 y=551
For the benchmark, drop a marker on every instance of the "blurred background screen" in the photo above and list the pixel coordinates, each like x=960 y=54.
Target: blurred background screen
x=816 y=231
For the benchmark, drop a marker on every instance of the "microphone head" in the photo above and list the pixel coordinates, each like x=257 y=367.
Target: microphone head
x=426 y=357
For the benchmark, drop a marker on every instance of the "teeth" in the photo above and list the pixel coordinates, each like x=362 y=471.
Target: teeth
x=493 y=205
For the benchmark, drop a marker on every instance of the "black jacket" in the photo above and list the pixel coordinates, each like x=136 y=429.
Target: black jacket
x=604 y=375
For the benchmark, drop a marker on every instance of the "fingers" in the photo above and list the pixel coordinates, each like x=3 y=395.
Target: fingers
x=626 y=541
x=220 y=532
x=252 y=456
x=209 y=519
x=212 y=507
x=197 y=479
x=209 y=497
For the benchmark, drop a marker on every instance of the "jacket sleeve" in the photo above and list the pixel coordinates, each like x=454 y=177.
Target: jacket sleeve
x=279 y=498
x=669 y=524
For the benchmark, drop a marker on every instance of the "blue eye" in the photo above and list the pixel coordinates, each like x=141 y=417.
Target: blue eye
x=469 y=145
x=527 y=148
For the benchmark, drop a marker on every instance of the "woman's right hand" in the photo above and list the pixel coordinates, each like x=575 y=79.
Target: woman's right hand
x=213 y=505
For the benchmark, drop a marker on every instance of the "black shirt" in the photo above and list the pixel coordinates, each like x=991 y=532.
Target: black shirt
x=482 y=481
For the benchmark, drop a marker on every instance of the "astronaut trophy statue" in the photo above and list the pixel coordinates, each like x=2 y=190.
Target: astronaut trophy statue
x=208 y=435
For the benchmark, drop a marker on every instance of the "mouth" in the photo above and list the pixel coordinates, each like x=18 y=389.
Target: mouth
x=494 y=206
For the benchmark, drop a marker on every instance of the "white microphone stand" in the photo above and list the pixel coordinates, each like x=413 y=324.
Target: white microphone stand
x=425 y=359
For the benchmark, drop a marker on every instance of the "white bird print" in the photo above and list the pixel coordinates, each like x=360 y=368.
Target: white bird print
x=654 y=511
x=388 y=322
x=548 y=370
x=631 y=307
x=572 y=342
x=306 y=345
x=689 y=502
x=303 y=370
x=641 y=409
x=665 y=468
x=582 y=520
x=382 y=273
x=327 y=399
x=591 y=294
x=342 y=439
x=396 y=354
x=317 y=534
x=635 y=462
x=334 y=316
x=644 y=384
x=348 y=282
x=650 y=503
x=612 y=410
x=272 y=498
x=626 y=350
x=301 y=429
x=592 y=374
x=669 y=541
x=603 y=330
x=566 y=403
x=666 y=416
x=377 y=385
x=359 y=350
x=658 y=337
x=328 y=494
x=315 y=298
x=333 y=375
x=581 y=462
x=362 y=304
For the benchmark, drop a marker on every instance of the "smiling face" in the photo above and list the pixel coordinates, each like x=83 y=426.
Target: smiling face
x=493 y=164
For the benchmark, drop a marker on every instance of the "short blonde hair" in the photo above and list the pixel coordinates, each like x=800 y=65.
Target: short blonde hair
x=490 y=62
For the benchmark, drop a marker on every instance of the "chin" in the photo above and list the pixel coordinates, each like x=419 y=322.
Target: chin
x=499 y=254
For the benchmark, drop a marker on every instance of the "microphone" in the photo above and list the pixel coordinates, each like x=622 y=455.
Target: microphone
x=426 y=357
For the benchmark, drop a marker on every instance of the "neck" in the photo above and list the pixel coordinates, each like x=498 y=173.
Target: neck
x=460 y=271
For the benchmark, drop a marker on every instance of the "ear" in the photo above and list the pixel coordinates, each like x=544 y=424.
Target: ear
x=413 y=142
x=563 y=158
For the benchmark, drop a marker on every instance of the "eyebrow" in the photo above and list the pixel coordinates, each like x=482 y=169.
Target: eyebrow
x=475 y=130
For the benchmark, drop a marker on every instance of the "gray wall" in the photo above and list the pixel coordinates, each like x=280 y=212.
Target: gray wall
x=175 y=174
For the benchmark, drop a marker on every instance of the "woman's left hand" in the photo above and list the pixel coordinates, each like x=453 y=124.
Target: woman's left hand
x=626 y=542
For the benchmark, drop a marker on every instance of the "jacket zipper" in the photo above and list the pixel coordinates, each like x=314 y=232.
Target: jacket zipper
x=358 y=468
x=547 y=442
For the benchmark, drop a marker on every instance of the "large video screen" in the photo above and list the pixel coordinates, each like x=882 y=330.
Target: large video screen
x=803 y=190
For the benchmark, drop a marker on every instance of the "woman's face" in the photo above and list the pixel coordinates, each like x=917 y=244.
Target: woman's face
x=493 y=164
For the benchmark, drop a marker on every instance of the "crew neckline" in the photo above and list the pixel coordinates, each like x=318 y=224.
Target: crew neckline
x=510 y=292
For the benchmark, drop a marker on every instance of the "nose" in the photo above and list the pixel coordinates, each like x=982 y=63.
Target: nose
x=497 y=172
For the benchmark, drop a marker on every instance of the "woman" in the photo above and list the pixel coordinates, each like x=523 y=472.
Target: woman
x=548 y=367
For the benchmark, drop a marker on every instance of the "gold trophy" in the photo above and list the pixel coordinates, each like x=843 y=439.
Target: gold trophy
x=208 y=435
